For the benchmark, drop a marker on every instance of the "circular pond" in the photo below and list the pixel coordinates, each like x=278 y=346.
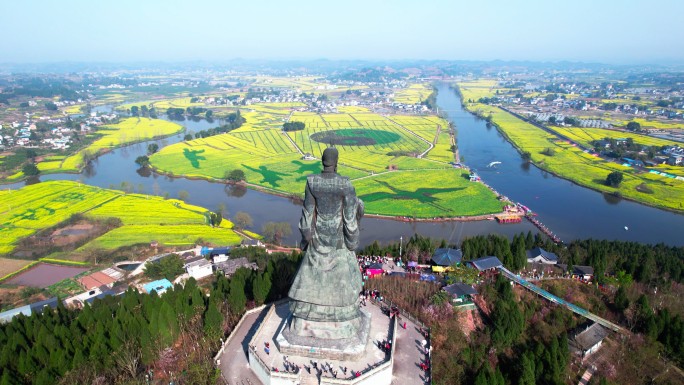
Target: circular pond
x=355 y=137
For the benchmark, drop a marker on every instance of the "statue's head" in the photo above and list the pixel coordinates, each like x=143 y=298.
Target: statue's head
x=330 y=156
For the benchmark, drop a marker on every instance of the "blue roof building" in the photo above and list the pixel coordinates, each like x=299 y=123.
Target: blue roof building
x=486 y=263
x=447 y=257
x=160 y=286
x=460 y=290
x=539 y=255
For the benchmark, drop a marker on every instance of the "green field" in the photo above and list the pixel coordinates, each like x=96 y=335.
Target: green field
x=145 y=218
x=585 y=136
x=572 y=163
x=369 y=144
x=414 y=94
x=127 y=131
x=422 y=193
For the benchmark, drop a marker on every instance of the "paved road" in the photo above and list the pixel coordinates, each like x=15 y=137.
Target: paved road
x=408 y=355
x=234 y=362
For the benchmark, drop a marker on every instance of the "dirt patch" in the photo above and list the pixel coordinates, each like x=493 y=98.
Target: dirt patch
x=470 y=321
x=73 y=233
x=11 y=297
x=9 y=266
x=66 y=237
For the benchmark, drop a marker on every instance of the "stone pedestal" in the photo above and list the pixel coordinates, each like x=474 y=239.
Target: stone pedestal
x=319 y=339
x=375 y=367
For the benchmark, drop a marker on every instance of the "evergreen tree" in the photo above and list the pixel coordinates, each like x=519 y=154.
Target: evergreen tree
x=261 y=287
x=237 y=299
x=213 y=320
x=529 y=240
x=9 y=378
x=519 y=253
x=621 y=301
x=527 y=376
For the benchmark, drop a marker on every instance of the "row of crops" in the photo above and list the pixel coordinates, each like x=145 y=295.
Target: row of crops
x=32 y=208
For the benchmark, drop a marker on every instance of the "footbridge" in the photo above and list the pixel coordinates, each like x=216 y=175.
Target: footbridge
x=574 y=308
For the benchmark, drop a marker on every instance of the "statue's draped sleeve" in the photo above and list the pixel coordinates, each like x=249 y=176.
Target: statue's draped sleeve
x=308 y=210
x=352 y=211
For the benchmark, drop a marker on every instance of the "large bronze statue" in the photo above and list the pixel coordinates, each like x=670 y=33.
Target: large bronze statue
x=326 y=288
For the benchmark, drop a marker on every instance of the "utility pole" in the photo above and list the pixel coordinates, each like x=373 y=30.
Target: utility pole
x=401 y=240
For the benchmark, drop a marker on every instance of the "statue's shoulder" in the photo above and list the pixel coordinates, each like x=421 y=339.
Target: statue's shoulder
x=327 y=178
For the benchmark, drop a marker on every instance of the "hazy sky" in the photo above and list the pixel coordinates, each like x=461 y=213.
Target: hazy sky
x=606 y=31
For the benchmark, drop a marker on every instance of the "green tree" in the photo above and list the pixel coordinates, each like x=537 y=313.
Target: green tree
x=237 y=299
x=236 y=175
x=507 y=318
x=275 y=231
x=30 y=169
x=215 y=219
x=261 y=287
x=221 y=208
x=168 y=267
x=293 y=126
x=142 y=160
x=183 y=195
x=614 y=179
x=634 y=126
x=519 y=252
x=243 y=220
x=213 y=320
x=152 y=148
x=135 y=111
x=621 y=301
x=527 y=370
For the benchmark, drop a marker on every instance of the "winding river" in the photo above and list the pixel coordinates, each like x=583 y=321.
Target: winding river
x=569 y=210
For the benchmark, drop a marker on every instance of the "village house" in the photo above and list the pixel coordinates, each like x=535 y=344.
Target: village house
x=675 y=160
x=198 y=267
x=99 y=279
x=27 y=310
x=443 y=259
x=588 y=341
x=220 y=254
x=460 y=293
x=229 y=267
x=252 y=243
x=486 y=263
x=584 y=273
x=539 y=255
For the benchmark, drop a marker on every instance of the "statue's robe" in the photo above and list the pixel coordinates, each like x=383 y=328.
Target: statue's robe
x=327 y=285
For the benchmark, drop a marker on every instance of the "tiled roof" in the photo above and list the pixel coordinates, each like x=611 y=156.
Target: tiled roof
x=447 y=257
x=538 y=251
x=460 y=289
x=486 y=263
x=96 y=279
